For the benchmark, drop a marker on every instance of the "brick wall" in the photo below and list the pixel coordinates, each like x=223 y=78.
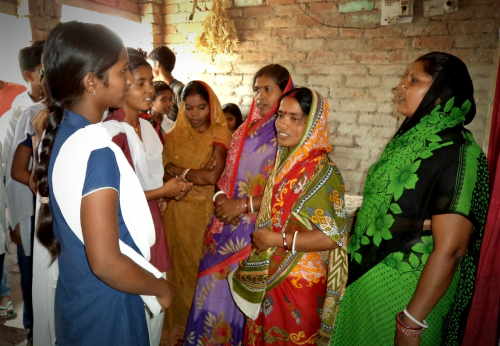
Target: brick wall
x=354 y=68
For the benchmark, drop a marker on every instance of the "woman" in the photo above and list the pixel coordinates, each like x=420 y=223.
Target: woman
x=195 y=149
x=252 y=152
x=291 y=285
x=143 y=149
x=432 y=168
x=93 y=215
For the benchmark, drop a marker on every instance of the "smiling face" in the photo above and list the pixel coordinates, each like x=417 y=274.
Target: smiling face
x=163 y=103
x=412 y=89
x=265 y=94
x=140 y=96
x=290 y=123
x=197 y=112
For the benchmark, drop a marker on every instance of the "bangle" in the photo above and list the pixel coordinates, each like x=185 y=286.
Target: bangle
x=251 y=204
x=422 y=324
x=405 y=330
x=284 y=241
x=168 y=172
x=185 y=172
x=247 y=203
x=220 y=192
x=294 y=238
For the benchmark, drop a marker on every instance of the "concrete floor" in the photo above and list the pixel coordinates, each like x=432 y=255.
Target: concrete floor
x=14 y=280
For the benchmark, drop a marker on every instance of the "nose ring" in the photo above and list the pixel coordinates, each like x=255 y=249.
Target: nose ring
x=403 y=87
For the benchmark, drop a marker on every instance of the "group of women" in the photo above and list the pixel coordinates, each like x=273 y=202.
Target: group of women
x=258 y=249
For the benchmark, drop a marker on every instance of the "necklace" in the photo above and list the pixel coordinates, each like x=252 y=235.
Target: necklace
x=137 y=128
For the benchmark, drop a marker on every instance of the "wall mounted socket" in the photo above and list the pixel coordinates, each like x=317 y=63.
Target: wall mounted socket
x=438 y=7
x=396 y=12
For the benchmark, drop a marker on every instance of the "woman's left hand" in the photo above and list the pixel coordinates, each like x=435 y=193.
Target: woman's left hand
x=262 y=239
x=228 y=210
x=401 y=340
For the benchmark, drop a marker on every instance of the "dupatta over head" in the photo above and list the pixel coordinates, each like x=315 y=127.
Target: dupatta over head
x=431 y=166
x=306 y=184
x=186 y=147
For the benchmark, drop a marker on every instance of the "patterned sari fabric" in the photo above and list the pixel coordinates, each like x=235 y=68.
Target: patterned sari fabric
x=214 y=318
x=185 y=221
x=292 y=299
x=156 y=125
x=432 y=166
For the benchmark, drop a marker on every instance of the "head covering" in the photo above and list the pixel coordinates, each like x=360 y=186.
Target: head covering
x=186 y=147
x=304 y=184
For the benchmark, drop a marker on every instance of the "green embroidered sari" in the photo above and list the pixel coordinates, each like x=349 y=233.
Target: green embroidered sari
x=432 y=166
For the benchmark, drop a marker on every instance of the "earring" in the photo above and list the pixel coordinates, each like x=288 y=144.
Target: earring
x=438 y=101
x=94 y=93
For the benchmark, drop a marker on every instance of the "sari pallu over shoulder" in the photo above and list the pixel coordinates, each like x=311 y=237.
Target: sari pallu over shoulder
x=304 y=185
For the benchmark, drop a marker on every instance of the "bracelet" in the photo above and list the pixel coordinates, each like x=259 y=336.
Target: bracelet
x=422 y=324
x=220 y=192
x=251 y=204
x=405 y=330
x=294 y=238
x=168 y=172
x=284 y=241
x=185 y=172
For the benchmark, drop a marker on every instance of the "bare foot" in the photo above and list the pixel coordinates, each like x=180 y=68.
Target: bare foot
x=12 y=336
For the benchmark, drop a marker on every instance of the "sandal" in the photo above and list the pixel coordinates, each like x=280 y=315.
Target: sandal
x=10 y=311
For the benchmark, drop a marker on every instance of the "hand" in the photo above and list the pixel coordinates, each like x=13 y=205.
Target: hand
x=401 y=340
x=227 y=210
x=38 y=122
x=15 y=235
x=176 y=188
x=263 y=238
x=171 y=169
x=210 y=164
x=33 y=181
x=162 y=204
x=166 y=299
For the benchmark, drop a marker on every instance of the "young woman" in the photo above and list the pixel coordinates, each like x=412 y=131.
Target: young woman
x=143 y=150
x=196 y=150
x=407 y=285
x=227 y=240
x=291 y=285
x=233 y=116
x=94 y=216
x=163 y=100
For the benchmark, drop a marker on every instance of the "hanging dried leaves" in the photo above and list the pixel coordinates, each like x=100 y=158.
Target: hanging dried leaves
x=218 y=33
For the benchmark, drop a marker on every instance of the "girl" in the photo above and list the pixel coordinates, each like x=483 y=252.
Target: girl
x=233 y=116
x=195 y=149
x=143 y=150
x=163 y=100
x=93 y=215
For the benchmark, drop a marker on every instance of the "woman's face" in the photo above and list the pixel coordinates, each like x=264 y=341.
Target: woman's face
x=119 y=80
x=290 y=123
x=197 y=112
x=140 y=96
x=412 y=89
x=163 y=102
x=231 y=121
x=265 y=94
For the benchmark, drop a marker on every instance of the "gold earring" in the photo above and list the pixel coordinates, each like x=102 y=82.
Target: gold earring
x=438 y=101
x=94 y=93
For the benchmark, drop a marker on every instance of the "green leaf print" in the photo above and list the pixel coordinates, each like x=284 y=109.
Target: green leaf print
x=403 y=178
x=434 y=138
x=358 y=257
x=365 y=240
x=404 y=267
x=396 y=209
x=449 y=105
x=414 y=261
x=380 y=224
x=425 y=248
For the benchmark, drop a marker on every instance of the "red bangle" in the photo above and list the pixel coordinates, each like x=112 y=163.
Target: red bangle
x=405 y=330
x=284 y=241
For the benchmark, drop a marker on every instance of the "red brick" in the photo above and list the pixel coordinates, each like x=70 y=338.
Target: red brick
x=404 y=57
x=363 y=19
x=383 y=31
x=235 y=13
x=420 y=24
x=174 y=38
x=310 y=0
x=372 y=57
x=388 y=43
x=245 y=46
x=48 y=8
x=476 y=41
x=186 y=28
x=433 y=42
x=357 y=57
x=325 y=57
x=106 y=2
x=152 y=18
x=157 y=39
x=283 y=10
x=486 y=55
x=244 y=23
x=466 y=55
x=289 y=57
x=276 y=23
x=273 y=46
x=280 y=2
x=170 y=9
x=308 y=21
x=175 y=18
x=253 y=35
x=336 y=20
x=57 y=10
x=53 y=22
x=39 y=35
x=258 y=57
x=309 y=45
x=463 y=13
x=286 y=33
x=169 y=29
x=150 y=7
x=471 y=26
x=257 y=11
x=357 y=33
x=38 y=22
x=321 y=7
x=487 y=11
x=321 y=32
